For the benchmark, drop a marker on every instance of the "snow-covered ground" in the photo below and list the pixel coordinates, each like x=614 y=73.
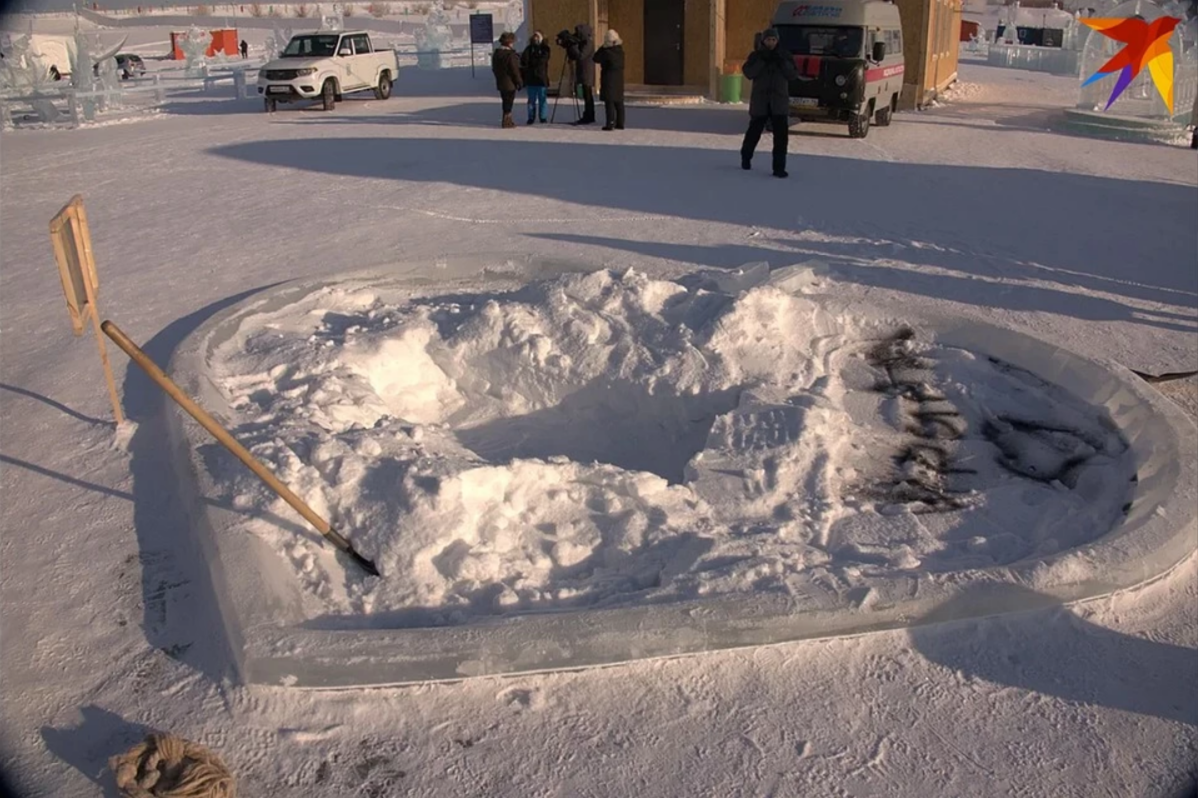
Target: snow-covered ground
x=972 y=207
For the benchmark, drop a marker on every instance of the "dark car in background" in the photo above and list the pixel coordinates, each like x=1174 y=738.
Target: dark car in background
x=131 y=65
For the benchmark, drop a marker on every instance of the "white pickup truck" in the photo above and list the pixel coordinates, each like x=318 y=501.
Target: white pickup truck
x=327 y=66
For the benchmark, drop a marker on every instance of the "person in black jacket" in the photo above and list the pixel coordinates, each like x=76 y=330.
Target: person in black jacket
x=771 y=68
x=1194 y=122
x=583 y=56
x=610 y=58
x=505 y=64
x=534 y=64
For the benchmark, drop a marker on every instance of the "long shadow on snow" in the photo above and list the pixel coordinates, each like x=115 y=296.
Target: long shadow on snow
x=1047 y=649
x=88 y=746
x=987 y=118
x=967 y=290
x=1101 y=227
x=207 y=106
x=179 y=604
x=412 y=83
x=721 y=120
x=54 y=404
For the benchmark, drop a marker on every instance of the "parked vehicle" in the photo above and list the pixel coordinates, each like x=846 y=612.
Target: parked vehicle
x=327 y=66
x=849 y=54
x=130 y=65
x=49 y=56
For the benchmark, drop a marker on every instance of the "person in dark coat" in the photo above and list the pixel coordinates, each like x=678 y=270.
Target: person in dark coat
x=771 y=68
x=583 y=57
x=534 y=65
x=610 y=58
x=505 y=63
x=1194 y=122
x=245 y=49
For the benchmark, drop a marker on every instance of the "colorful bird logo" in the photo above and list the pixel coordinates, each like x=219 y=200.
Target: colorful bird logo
x=1147 y=43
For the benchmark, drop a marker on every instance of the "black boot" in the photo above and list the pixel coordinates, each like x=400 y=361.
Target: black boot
x=746 y=163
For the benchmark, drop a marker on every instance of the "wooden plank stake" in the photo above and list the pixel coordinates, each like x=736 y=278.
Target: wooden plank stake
x=83 y=245
x=229 y=442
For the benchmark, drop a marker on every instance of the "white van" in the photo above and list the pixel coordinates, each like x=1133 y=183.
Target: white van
x=849 y=54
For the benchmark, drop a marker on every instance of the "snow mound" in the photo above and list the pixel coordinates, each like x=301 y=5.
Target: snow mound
x=960 y=91
x=604 y=439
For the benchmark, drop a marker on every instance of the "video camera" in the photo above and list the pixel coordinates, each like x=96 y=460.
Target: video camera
x=566 y=40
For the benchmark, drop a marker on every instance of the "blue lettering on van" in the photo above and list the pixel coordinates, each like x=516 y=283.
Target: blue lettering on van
x=816 y=11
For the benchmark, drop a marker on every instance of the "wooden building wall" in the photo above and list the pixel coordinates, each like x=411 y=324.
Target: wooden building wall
x=931 y=45
x=628 y=17
x=743 y=18
x=551 y=16
x=947 y=44
x=696 y=48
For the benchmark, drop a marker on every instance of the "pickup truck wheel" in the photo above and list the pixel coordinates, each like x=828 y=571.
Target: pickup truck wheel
x=383 y=90
x=328 y=95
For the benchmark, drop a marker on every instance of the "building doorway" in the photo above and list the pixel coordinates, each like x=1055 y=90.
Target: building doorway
x=664 y=28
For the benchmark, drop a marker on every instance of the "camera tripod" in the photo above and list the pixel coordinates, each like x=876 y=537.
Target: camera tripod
x=573 y=91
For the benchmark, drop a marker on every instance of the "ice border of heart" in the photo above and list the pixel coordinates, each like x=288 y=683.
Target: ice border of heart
x=259 y=607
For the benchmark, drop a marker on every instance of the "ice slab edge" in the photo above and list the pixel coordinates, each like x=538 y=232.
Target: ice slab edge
x=260 y=604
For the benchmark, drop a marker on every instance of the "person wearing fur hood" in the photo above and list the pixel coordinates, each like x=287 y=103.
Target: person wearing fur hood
x=534 y=65
x=610 y=60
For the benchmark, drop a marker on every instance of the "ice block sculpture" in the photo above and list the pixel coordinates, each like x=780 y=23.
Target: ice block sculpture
x=83 y=79
x=19 y=73
x=433 y=37
x=277 y=43
x=109 y=81
x=195 y=51
x=332 y=21
x=22 y=76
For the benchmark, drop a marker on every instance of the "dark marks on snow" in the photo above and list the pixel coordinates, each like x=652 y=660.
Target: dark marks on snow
x=374 y=772
x=927 y=476
x=925 y=466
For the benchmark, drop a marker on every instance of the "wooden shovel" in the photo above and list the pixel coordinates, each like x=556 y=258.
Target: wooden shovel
x=221 y=434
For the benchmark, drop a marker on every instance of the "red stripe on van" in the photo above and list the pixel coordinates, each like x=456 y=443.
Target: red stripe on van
x=880 y=73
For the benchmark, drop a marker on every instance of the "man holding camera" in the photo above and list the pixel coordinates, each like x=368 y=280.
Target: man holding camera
x=771 y=68
x=580 y=49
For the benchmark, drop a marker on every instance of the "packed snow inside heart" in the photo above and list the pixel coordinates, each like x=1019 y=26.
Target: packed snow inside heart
x=600 y=439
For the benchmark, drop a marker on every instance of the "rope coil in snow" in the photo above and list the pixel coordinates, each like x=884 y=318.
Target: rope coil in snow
x=166 y=766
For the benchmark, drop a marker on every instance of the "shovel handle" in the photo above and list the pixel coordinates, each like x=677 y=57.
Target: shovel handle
x=229 y=442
